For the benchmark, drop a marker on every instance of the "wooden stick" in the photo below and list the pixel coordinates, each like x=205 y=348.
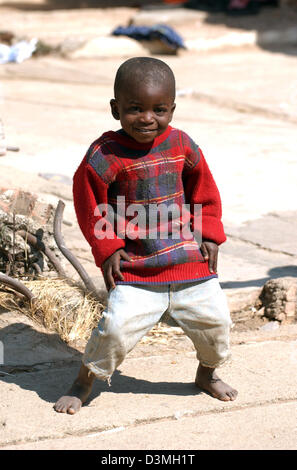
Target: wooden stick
x=67 y=253
x=17 y=286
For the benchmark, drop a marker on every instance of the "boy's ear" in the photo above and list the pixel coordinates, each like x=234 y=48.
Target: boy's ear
x=172 y=111
x=114 y=109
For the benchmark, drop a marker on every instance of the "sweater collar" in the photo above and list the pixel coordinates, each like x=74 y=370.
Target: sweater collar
x=124 y=139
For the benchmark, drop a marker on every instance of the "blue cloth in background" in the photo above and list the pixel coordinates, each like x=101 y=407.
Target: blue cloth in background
x=158 y=31
x=18 y=52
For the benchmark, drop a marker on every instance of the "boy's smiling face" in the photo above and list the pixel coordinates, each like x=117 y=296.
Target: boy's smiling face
x=144 y=109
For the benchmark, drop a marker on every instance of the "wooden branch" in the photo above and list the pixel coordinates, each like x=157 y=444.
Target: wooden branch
x=67 y=253
x=37 y=269
x=17 y=286
x=42 y=247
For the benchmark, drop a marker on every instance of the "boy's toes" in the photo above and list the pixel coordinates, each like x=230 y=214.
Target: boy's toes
x=60 y=407
x=68 y=405
x=223 y=397
x=231 y=395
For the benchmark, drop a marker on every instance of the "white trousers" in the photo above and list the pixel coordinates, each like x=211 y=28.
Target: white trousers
x=199 y=308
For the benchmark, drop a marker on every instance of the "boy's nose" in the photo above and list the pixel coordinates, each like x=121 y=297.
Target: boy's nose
x=146 y=117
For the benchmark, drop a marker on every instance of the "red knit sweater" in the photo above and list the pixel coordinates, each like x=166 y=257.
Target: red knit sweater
x=170 y=170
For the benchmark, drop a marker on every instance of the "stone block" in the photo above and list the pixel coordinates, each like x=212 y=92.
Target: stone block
x=279 y=299
x=109 y=46
x=18 y=202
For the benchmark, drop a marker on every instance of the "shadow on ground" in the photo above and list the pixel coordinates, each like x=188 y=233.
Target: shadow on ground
x=52 y=379
x=27 y=349
x=279 y=19
x=274 y=273
x=125 y=384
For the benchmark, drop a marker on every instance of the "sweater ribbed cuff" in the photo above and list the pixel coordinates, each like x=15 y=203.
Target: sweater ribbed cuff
x=103 y=249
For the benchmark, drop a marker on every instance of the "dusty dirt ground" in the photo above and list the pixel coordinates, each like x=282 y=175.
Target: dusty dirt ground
x=239 y=104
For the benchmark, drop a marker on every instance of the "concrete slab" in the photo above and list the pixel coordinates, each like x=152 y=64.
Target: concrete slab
x=144 y=390
x=27 y=344
x=52 y=69
x=53 y=26
x=276 y=232
x=243 y=264
x=269 y=427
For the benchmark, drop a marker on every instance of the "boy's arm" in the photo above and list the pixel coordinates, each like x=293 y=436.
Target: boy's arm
x=200 y=188
x=90 y=197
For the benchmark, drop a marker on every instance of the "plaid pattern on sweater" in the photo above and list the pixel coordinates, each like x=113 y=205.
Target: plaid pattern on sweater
x=170 y=172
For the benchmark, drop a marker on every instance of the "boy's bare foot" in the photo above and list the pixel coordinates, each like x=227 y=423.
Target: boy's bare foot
x=207 y=379
x=78 y=393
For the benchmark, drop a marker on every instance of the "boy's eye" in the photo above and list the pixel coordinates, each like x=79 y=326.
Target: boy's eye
x=134 y=109
x=160 y=110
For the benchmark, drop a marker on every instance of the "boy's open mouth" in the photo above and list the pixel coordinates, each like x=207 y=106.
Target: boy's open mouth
x=145 y=131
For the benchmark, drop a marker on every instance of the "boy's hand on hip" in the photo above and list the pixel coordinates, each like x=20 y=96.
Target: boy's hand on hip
x=210 y=251
x=111 y=268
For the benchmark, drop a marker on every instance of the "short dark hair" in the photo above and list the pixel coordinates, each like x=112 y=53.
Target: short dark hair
x=146 y=69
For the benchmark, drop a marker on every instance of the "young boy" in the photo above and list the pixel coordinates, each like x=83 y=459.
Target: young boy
x=147 y=271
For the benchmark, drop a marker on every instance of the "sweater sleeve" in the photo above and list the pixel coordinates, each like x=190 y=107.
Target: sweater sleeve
x=200 y=188
x=90 y=199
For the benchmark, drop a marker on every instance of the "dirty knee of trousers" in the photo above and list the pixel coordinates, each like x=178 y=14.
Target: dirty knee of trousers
x=104 y=352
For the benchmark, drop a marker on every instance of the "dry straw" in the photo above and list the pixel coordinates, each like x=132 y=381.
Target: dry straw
x=60 y=305
x=64 y=307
